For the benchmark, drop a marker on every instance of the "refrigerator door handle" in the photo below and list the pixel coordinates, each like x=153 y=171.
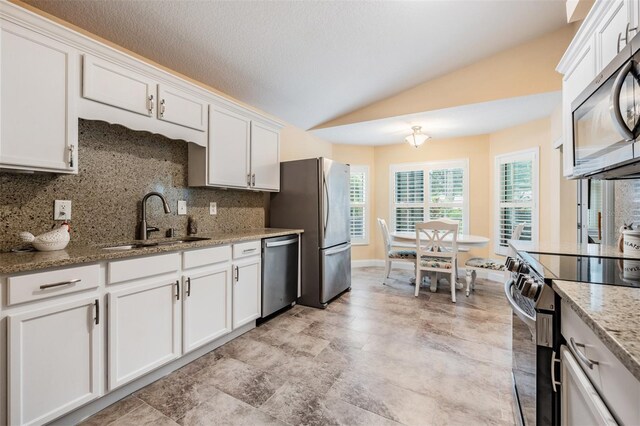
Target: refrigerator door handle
x=338 y=250
x=325 y=189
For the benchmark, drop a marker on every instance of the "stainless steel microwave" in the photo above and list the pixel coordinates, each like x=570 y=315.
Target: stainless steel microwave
x=606 y=120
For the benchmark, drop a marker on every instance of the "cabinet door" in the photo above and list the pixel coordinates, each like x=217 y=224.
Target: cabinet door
x=575 y=81
x=144 y=329
x=580 y=402
x=38 y=116
x=53 y=360
x=111 y=84
x=265 y=157
x=207 y=307
x=228 y=154
x=178 y=107
x=612 y=25
x=246 y=291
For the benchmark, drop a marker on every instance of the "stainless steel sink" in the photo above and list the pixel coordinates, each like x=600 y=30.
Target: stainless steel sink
x=149 y=244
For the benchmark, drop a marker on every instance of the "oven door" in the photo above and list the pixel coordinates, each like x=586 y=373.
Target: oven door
x=605 y=119
x=524 y=357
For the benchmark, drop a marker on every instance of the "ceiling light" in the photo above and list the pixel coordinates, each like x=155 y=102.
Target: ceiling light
x=417 y=138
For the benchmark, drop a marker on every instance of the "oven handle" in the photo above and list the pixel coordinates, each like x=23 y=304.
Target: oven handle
x=614 y=106
x=525 y=317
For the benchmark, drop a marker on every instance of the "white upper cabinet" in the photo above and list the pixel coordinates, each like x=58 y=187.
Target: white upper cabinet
x=111 y=84
x=229 y=137
x=610 y=33
x=38 y=119
x=53 y=360
x=178 y=107
x=243 y=152
x=265 y=157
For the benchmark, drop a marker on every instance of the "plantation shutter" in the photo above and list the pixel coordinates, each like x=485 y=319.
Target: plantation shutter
x=516 y=200
x=357 y=197
x=446 y=194
x=409 y=199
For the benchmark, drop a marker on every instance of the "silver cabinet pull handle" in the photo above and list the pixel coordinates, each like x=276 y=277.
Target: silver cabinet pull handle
x=253 y=179
x=249 y=180
x=162 y=108
x=586 y=361
x=150 y=104
x=188 y=287
x=237 y=273
x=177 y=289
x=72 y=148
x=46 y=286
x=97 y=305
x=245 y=251
x=554 y=382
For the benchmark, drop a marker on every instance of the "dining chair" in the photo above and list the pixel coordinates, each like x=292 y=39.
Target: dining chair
x=437 y=250
x=407 y=256
x=483 y=264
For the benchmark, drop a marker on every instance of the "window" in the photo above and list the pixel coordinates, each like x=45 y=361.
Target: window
x=516 y=194
x=358 y=196
x=428 y=191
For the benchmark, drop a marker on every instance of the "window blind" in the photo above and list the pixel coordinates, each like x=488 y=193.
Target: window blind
x=446 y=195
x=516 y=201
x=358 y=198
x=428 y=191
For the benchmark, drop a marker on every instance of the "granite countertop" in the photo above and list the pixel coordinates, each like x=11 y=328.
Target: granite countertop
x=573 y=249
x=612 y=313
x=11 y=263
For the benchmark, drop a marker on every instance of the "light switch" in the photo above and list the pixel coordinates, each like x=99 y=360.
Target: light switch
x=213 y=208
x=182 y=207
x=62 y=210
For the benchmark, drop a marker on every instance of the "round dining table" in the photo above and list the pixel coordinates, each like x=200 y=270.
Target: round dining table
x=465 y=243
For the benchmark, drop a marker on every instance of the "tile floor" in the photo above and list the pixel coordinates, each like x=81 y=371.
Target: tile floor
x=375 y=356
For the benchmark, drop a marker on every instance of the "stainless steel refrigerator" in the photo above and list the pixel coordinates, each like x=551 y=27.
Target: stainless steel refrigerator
x=314 y=196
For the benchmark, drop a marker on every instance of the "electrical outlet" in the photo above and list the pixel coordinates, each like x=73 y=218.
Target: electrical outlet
x=182 y=207
x=213 y=208
x=62 y=210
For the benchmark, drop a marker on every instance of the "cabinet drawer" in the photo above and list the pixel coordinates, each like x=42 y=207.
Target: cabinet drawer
x=130 y=269
x=618 y=387
x=207 y=256
x=40 y=285
x=250 y=248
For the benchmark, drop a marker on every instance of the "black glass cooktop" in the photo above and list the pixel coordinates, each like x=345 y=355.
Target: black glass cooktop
x=594 y=270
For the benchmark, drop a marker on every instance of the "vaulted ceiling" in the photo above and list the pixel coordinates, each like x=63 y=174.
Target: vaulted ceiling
x=308 y=62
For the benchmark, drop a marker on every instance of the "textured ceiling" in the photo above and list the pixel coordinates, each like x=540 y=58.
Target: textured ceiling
x=476 y=119
x=311 y=61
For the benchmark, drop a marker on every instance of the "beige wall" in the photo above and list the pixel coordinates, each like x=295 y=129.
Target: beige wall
x=524 y=70
x=475 y=148
x=362 y=156
x=535 y=134
x=296 y=144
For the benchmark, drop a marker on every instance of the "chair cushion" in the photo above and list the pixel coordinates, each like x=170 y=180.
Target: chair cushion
x=436 y=262
x=479 y=262
x=402 y=254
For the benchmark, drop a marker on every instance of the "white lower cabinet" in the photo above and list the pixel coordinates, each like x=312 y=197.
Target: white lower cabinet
x=144 y=328
x=206 y=306
x=247 y=298
x=53 y=360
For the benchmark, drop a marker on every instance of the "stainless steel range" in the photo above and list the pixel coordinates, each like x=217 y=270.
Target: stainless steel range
x=536 y=323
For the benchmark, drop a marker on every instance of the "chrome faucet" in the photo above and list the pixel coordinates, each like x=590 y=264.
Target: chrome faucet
x=143 y=229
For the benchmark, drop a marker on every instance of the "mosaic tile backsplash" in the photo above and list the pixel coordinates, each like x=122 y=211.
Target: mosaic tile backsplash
x=117 y=167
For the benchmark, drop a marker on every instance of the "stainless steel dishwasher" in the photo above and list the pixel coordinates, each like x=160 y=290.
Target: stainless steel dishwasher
x=279 y=273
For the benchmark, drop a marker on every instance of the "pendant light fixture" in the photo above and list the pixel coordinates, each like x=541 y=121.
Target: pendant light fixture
x=417 y=138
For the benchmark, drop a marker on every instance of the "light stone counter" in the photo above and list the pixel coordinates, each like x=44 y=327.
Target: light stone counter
x=612 y=313
x=11 y=263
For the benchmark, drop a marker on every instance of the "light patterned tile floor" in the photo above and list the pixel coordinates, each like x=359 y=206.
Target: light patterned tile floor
x=377 y=355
